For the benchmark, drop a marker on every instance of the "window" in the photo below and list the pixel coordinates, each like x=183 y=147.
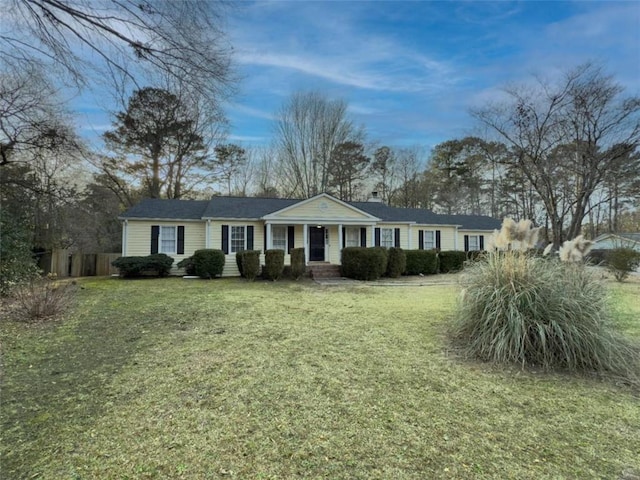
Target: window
x=429 y=239
x=386 y=237
x=167 y=240
x=352 y=237
x=474 y=243
x=279 y=237
x=237 y=239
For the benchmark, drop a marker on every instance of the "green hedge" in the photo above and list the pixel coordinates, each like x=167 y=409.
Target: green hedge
x=208 y=263
x=250 y=264
x=396 y=262
x=423 y=262
x=188 y=265
x=298 y=266
x=158 y=264
x=451 y=261
x=622 y=261
x=273 y=264
x=363 y=263
x=239 y=256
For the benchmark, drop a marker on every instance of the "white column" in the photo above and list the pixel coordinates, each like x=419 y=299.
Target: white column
x=269 y=238
x=340 y=239
x=409 y=237
x=124 y=237
x=372 y=236
x=207 y=234
x=305 y=242
x=455 y=238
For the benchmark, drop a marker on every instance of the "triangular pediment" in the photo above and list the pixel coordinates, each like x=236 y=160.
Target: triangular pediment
x=322 y=208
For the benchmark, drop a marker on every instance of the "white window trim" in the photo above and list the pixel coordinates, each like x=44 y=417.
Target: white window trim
x=392 y=236
x=357 y=236
x=175 y=239
x=477 y=238
x=424 y=239
x=285 y=228
x=244 y=238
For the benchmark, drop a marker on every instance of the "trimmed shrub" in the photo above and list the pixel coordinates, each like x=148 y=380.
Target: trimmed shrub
x=363 y=263
x=273 y=264
x=451 y=261
x=518 y=308
x=209 y=263
x=384 y=255
x=621 y=262
x=298 y=266
x=396 y=262
x=239 y=255
x=423 y=262
x=158 y=264
x=251 y=264
x=188 y=265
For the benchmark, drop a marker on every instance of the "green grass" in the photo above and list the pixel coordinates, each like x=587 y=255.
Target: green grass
x=226 y=379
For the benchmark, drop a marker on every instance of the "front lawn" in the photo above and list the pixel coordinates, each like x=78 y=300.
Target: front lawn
x=173 y=378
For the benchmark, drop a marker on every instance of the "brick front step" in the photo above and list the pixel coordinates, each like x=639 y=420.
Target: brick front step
x=325 y=271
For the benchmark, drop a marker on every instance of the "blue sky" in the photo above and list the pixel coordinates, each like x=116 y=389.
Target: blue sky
x=410 y=71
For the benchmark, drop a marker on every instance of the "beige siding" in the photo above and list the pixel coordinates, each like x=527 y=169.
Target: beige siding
x=139 y=238
x=462 y=233
x=230 y=267
x=404 y=233
x=333 y=247
x=447 y=236
x=321 y=210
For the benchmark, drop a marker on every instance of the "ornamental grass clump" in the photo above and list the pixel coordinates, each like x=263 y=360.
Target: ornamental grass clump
x=520 y=308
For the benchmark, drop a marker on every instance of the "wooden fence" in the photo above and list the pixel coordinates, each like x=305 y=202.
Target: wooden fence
x=62 y=264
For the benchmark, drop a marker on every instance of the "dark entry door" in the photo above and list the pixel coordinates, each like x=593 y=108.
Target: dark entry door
x=316 y=244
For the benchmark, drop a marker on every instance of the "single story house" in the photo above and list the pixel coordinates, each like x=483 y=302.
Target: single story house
x=609 y=241
x=322 y=224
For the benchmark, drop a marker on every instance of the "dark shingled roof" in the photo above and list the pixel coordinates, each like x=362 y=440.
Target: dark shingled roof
x=169 y=209
x=245 y=207
x=422 y=216
x=254 y=207
x=472 y=222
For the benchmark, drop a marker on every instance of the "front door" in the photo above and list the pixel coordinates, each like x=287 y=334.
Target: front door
x=316 y=244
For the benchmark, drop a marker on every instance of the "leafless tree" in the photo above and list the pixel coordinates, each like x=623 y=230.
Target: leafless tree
x=308 y=129
x=32 y=117
x=407 y=167
x=383 y=168
x=567 y=137
x=120 y=39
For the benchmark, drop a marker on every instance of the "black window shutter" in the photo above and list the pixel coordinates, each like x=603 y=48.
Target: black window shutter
x=466 y=243
x=265 y=238
x=396 y=238
x=291 y=237
x=344 y=237
x=155 y=233
x=225 y=239
x=421 y=239
x=377 y=237
x=481 y=242
x=180 y=249
x=363 y=236
x=249 y=237
x=438 y=239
